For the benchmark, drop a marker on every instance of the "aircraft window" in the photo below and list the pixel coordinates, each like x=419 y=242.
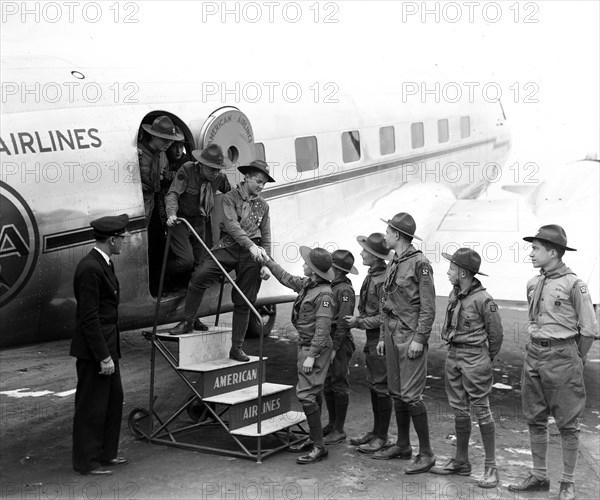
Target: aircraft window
x=307 y=153
x=417 y=135
x=465 y=127
x=387 y=140
x=260 y=151
x=443 y=132
x=351 y=146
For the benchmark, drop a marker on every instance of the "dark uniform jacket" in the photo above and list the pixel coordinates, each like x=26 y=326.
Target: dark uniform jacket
x=312 y=311
x=96 y=290
x=369 y=318
x=345 y=300
x=153 y=165
x=472 y=318
x=409 y=294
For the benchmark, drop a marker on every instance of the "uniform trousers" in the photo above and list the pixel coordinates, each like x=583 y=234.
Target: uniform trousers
x=376 y=366
x=406 y=377
x=186 y=250
x=311 y=384
x=98 y=412
x=339 y=370
x=247 y=272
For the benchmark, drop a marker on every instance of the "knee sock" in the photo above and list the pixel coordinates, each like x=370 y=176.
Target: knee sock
x=418 y=414
x=403 y=423
x=384 y=408
x=342 y=401
x=570 y=450
x=374 y=407
x=313 y=417
x=330 y=402
x=462 y=425
x=488 y=437
x=539 y=448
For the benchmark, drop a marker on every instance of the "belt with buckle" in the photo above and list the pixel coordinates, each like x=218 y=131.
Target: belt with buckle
x=462 y=345
x=551 y=342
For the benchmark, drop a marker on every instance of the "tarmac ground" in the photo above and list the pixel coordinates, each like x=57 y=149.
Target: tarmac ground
x=37 y=385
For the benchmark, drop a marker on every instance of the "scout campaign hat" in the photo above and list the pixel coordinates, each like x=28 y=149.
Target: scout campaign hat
x=319 y=260
x=258 y=166
x=164 y=128
x=113 y=225
x=552 y=233
x=466 y=258
x=344 y=260
x=211 y=156
x=404 y=223
x=375 y=244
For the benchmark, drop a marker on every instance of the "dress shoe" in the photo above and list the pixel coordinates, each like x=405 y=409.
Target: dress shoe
x=334 y=437
x=490 y=478
x=393 y=452
x=198 y=325
x=367 y=438
x=96 y=472
x=453 y=467
x=376 y=444
x=531 y=483
x=114 y=461
x=420 y=464
x=237 y=354
x=182 y=328
x=327 y=429
x=567 y=490
x=304 y=445
x=315 y=455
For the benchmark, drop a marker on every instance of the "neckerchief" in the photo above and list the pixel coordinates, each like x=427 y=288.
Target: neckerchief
x=391 y=276
x=534 y=305
x=454 y=306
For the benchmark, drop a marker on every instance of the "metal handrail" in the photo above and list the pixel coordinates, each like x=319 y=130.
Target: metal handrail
x=252 y=309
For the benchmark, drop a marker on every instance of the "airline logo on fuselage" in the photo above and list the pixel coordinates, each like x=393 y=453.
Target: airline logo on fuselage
x=19 y=243
x=48 y=141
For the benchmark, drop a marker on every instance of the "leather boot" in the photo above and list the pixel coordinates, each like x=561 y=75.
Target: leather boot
x=182 y=328
x=237 y=354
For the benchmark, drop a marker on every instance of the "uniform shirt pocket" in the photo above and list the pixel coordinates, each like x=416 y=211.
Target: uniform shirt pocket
x=557 y=298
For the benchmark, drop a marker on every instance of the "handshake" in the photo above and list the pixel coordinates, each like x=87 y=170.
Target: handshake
x=259 y=254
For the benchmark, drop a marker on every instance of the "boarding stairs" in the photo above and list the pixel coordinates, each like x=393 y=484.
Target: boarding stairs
x=229 y=402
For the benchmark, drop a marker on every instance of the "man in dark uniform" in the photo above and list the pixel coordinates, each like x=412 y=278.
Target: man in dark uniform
x=245 y=230
x=337 y=385
x=311 y=316
x=154 y=167
x=408 y=311
x=95 y=344
x=374 y=255
x=191 y=197
x=473 y=330
x=562 y=328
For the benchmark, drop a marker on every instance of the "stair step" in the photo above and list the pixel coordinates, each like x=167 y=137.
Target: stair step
x=243 y=403
x=199 y=347
x=225 y=375
x=271 y=425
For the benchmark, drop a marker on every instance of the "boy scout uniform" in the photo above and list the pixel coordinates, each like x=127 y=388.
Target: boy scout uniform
x=408 y=312
x=369 y=320
x=337 y=386
x=560 y=310
x=473 y=330
x=311 y=316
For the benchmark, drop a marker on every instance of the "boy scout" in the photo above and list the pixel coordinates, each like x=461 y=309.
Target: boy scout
x=473 y=330
x=408 y=311
x=246 y=226
x=562 y=327
x=191 y=197
x=337 y=386
x=374 y=255
x=311 y=316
